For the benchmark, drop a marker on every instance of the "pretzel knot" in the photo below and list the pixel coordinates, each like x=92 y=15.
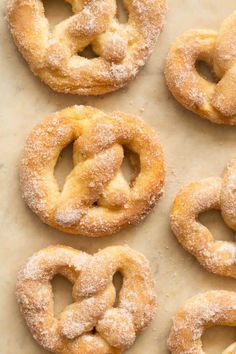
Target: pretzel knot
x=213 y=308
x=96 y=199
x=122 y=49
x=215 y=101
x=218 y=257
x=91 y=324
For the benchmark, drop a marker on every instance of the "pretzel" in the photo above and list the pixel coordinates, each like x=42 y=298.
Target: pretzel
x=218 y=257
x=215 y=101
x=213 y=308
x=96 y=200
x=54 y=56
x=92 y=323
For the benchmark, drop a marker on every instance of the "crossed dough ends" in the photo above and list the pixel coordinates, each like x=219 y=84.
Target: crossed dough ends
x=122 y=49
x=94 y=307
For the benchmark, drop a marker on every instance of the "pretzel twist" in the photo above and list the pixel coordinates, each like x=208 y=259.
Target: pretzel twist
x=122 y=49
x=94 y=299
x=199 y=313
x=96 y=199
x=218 y=257
x=211 y=100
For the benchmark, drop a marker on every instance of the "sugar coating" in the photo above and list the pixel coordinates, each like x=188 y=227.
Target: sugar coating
x=96 y=199
x=122 y=48
x=218 y=257
x=199 y=313
x=92 y=323
x=210 y=100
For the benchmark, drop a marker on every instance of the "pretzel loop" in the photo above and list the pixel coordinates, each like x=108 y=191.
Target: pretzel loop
x=94 y=298
x=212 y=100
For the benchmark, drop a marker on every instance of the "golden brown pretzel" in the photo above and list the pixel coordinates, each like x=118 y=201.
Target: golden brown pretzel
x=218 y=257
x=96 y=200
x=199 y=313
x=122 y=49
x=213 y=101
x=94 y=296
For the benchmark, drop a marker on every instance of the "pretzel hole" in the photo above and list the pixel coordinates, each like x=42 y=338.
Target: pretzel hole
x=62 y=291
x=216 y=339
x=88 y=53
x=121 y=12
x=64 y=165
x=117 y=282
x=130 y=166
x=205 y=70
x=213 y=221
x=56 y=11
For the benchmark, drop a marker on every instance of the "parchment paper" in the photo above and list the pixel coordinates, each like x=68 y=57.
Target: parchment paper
x=194 y=149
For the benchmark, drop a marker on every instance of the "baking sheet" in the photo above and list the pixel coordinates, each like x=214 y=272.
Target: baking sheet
x=194 y=149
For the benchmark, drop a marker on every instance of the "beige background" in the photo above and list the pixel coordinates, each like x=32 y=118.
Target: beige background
x=194 y=149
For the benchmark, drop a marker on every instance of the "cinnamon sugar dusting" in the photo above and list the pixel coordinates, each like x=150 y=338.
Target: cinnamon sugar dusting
x=202 y=311
x=122 y=48
x=96 y=199
x=91 y=321
x=211 y=100
x=218 y=257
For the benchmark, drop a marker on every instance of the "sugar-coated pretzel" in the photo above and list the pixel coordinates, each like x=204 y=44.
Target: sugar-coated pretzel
x=213 y=308
x=96 y=199
x=122 y=48
x=92 y=323
x=218 y=257
x=213 y=101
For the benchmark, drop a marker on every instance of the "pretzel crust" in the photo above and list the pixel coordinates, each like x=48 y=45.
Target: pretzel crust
x=198 y=314
x=228 y=197
x=218 y=257
x=122 y=49
x=214 y=101
x=96 y=178
x=94 y=296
